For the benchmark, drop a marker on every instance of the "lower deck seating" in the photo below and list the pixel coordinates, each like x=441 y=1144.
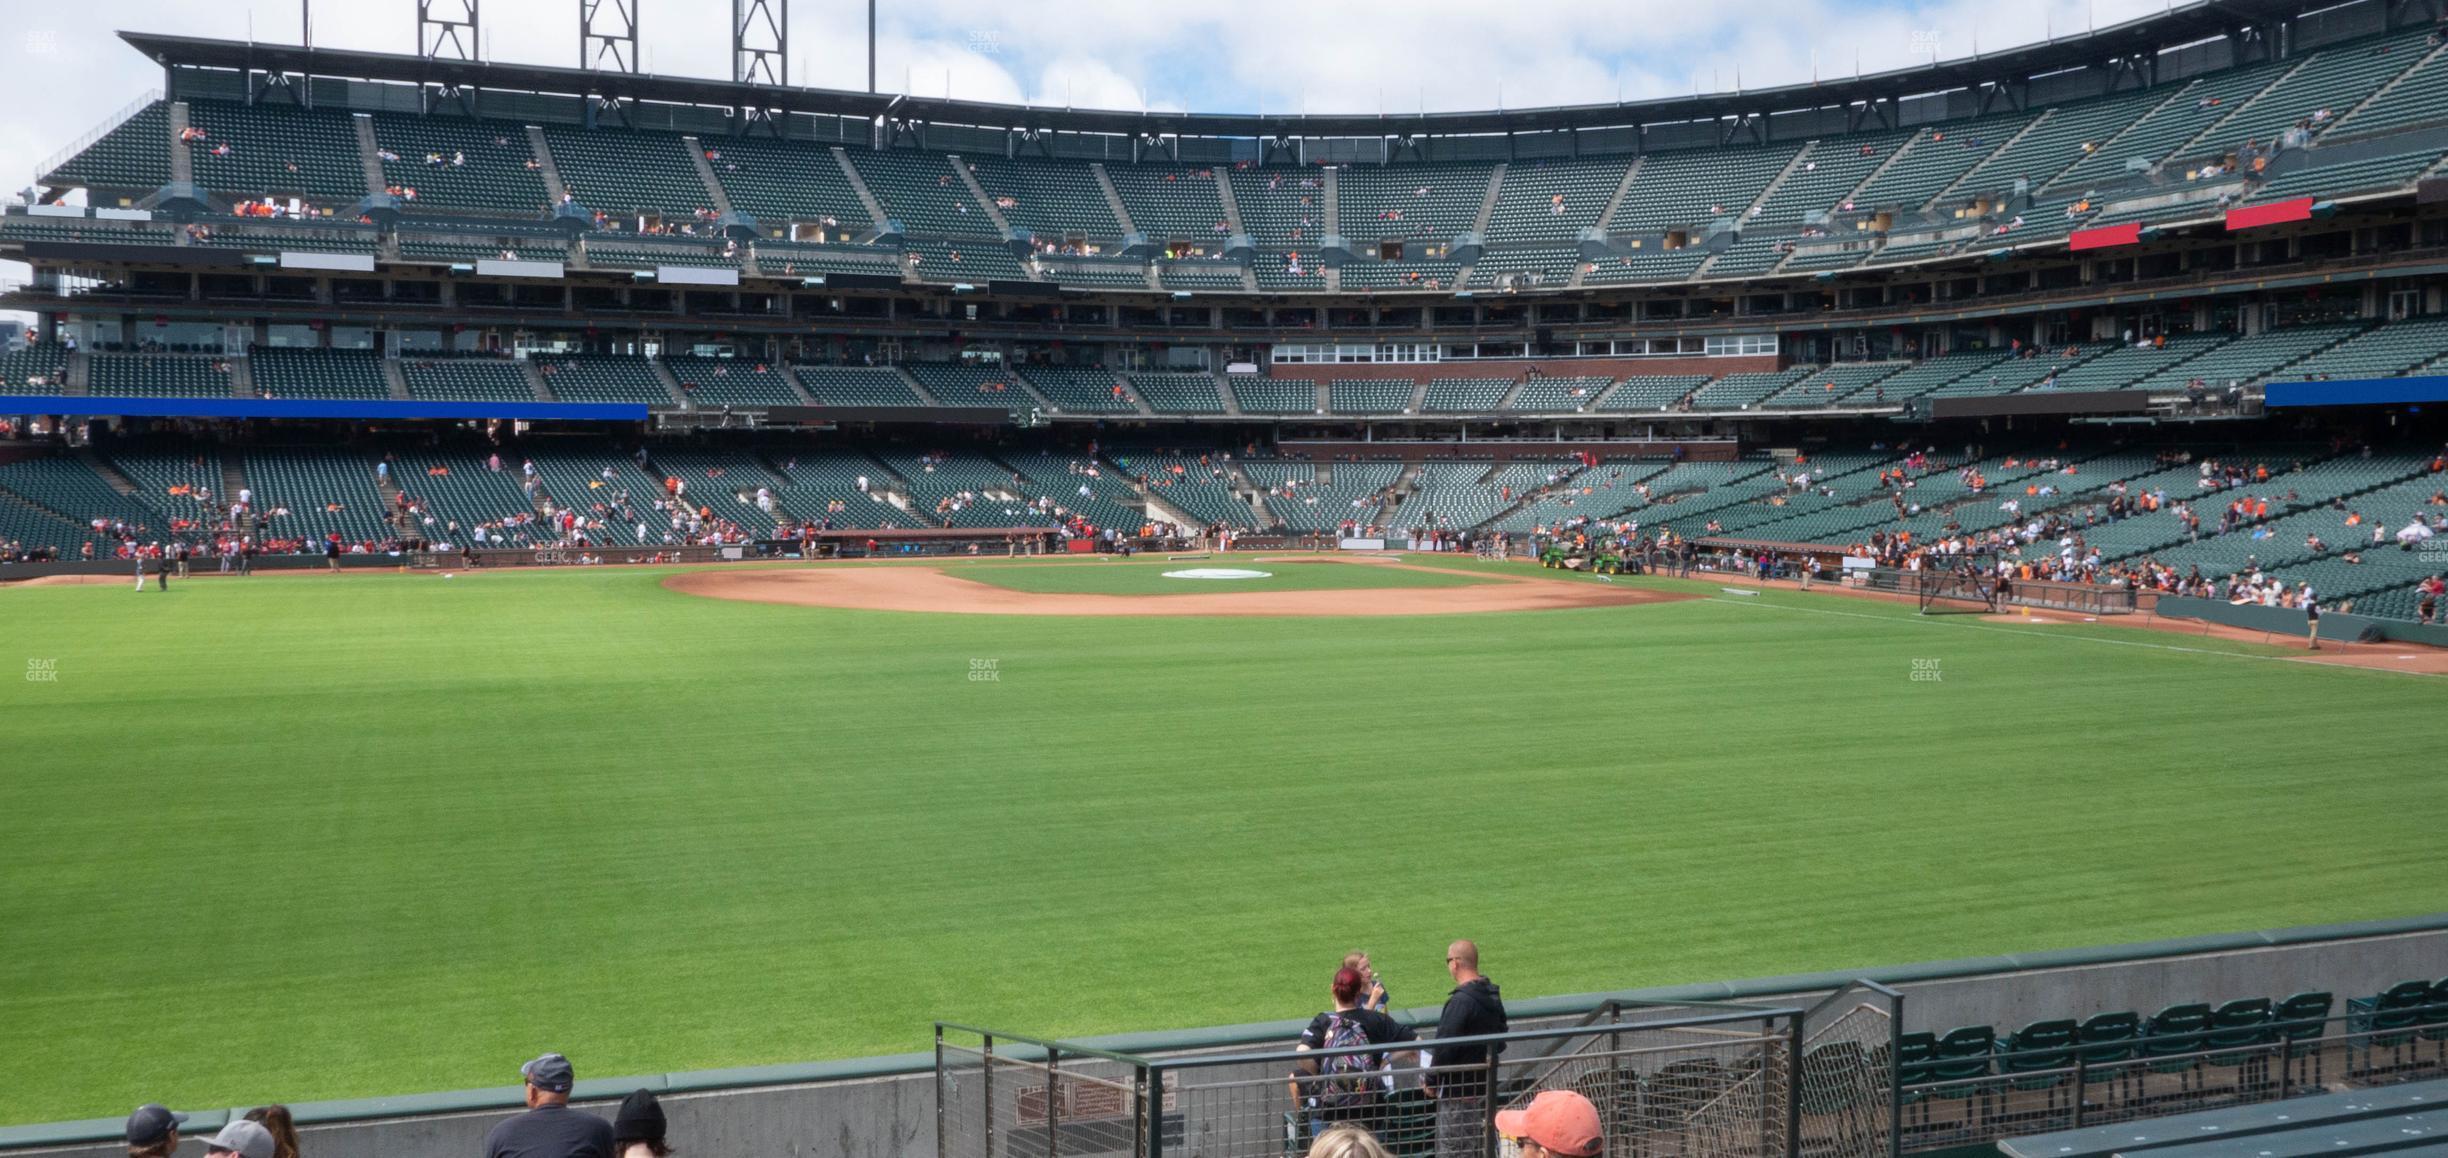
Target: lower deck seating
x=295 y=372
x=157 y=376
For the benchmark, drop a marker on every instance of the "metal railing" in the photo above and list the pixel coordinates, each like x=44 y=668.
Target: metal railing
x=110 y=123
x=1693 y=1078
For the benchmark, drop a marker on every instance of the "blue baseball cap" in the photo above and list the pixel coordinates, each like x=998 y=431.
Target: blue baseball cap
x=151 y=1123
x=551 y=1072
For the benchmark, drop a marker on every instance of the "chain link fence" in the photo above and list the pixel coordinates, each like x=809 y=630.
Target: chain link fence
x=1698 y=1079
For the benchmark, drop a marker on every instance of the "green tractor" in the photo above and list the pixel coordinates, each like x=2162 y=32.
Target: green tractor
x=1608 y=562
x=1558 y=556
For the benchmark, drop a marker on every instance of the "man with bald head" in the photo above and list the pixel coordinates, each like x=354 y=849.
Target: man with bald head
x=1460 y=1079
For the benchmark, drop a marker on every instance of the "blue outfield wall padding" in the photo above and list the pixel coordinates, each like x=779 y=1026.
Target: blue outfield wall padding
x=506 y=1099
x=80 y=405
x=2357 y=391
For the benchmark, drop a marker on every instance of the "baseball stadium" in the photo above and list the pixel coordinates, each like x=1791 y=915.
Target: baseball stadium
x=590 y=611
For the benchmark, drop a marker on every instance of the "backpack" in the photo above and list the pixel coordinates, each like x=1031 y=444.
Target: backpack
x=1346 y=1080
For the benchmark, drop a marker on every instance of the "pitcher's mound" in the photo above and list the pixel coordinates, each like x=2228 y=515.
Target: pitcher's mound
x=899 y=588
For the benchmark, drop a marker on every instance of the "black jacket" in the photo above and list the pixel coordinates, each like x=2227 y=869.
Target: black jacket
x=1473 y=1009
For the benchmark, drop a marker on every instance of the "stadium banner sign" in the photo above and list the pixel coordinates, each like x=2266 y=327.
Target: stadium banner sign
x=2274 y=213
x=2129 y=233
x=92 y=406
x=2038 y=401
x=937 y=415
x=2357 y=391
x=334 y=262
x=194 y=255
x=55 y=211
x=1361 y=544
x=107 y=213
x=497 y=267
x=1859 y=562
x=694 y=275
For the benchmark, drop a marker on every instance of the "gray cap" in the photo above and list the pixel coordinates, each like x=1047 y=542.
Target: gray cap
x=550 y=1072
x=243 y=1137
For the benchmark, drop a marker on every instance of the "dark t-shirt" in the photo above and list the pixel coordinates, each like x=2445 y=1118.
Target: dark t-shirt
x=1377 y=1028
x=551 y=1132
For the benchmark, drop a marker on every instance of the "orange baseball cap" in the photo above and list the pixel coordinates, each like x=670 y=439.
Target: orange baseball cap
x=1558 y=1120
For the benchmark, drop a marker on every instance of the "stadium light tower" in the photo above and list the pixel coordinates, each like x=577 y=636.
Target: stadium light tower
x=608 y=31
x=447 y=25
x=760 y=41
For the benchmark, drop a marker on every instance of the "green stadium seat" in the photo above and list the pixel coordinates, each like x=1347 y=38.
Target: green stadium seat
x=2301 y=1022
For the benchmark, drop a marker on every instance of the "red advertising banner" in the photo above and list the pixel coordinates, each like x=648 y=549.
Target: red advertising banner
x=2274 y=213
x=2126 y=234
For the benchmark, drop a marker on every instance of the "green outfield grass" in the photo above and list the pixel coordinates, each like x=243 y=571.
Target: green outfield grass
x=306 y=837
x=1148 y=577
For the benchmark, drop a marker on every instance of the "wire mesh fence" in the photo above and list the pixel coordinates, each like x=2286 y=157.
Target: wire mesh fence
x=1704 y=1079
x=1845 y=1088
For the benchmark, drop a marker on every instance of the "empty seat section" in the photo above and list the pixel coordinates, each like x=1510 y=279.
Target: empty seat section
x=1052 y=199
x=1259 y=395
x=971 y=384
x=733 y=382
x=1695 y=187
x=1369 y=395
x=787 y=184
x=1551 y=395
x=157 y=375
x=1179 y=393
x=1170 y=202
x=472 y=379
x=623 y=173
x=1408 y=202
x=1082 y=389
x=133 y=157
x=1651 y=391
x=855 y=386
x=1464 y=395
x=921 y=191
x=459 y=164
x=1552 y=200
x=273 y=151
x=600 y=378
x=303 y=372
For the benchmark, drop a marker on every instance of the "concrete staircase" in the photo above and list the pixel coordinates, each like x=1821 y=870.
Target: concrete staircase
x=182 y=163
x=242 y=378
x=720 y=200
x=368 y=153
x=1741 y=216
x=233 y=480
x=1113 y=201
x=1495 y=189
x=671 y=385
x=2383 y=90
x=917 y=387
x=110 y=474
x=394 y=381
x=1419 y=397
x=545 y=168
x=969 y=181
x=792 y=380
x=2109 y=145
x=1232 y=205
x=1966 y=176
x=1615 y=201
x=858 y=184
x=535 y=382
x=2217 y=130
x=1223 y=384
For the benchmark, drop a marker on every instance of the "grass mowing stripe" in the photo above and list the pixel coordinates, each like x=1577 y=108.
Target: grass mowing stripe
x=436 y=827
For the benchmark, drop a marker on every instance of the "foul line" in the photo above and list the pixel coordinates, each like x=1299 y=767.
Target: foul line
x=2070 y=638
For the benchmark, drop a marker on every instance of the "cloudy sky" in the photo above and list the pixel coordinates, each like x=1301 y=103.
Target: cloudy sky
x=65 y=71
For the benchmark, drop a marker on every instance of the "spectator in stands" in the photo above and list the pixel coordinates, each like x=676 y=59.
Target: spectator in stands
x=549 y=1128
x=1460 y=1080
x=1558 y=1122
x=638 y=1128
x=1348 y=1141
x=1345 y=1087
x=1358 y=959
x=152 y=1131
x=242 y=1137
